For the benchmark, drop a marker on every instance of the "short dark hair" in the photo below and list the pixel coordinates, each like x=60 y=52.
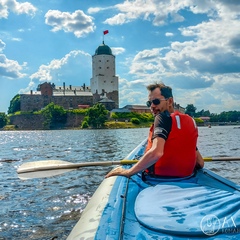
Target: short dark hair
x=166 y=91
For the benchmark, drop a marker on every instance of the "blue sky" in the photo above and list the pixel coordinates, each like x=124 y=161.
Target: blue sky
x=193 y=46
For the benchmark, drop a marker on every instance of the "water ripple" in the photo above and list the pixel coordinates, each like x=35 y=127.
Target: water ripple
x=49 y=207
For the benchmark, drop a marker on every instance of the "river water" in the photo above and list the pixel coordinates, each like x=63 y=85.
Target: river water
x=48 y=208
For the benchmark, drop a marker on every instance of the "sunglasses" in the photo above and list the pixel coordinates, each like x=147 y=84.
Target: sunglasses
x=155 y=101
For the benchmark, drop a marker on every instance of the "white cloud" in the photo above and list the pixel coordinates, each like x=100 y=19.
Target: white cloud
x=130 y=11
x=132 y=92
x=169 y=34
x=2 y=45
x=16 y=7
x=161 y=12
x=156 y=11
x=16 y=39
x=117 y=50
x=78 y=22
x=47 y=72
x=10 y=68
x=94 y=10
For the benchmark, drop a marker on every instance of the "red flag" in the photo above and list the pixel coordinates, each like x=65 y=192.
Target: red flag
x=105 y=32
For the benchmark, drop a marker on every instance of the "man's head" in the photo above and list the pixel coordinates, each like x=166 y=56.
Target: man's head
x=160 y=98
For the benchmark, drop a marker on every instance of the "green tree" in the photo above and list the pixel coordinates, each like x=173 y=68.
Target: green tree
x=3 y=120
x=199 y=121
x=190 y=110
x=203 y=113
x=214 y=117
x=97 y=115
x=14 y=104
x=233 y=116
x=135 y=121
x=54 y=115
x=223 y=117
x=206 y=113
x=84 y=124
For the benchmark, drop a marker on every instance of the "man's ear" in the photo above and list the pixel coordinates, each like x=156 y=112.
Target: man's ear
x=170 y=101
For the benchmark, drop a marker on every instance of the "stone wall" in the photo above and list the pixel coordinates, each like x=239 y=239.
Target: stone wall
x=35 y=122
x=37 y=102
x=74 y=120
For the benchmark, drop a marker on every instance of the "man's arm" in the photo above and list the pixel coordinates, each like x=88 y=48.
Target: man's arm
x=148 y=159
x=199 y=160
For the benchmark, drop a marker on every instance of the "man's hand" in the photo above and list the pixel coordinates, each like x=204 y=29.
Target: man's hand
x=119 y=171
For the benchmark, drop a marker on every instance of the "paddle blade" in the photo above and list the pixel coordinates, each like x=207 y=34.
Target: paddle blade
x=43 y=174
x=39 y=164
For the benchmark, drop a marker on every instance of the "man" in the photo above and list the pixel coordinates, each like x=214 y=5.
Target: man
x=171 y=149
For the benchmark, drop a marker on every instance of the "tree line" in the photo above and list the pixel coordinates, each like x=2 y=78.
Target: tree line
x=230 y=116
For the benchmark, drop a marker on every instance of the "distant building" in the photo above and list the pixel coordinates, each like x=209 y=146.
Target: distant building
x=104 y=82
x=179 y=108
x=143 y=109
x=138 y=108
x=103 y=88
x=205 y=119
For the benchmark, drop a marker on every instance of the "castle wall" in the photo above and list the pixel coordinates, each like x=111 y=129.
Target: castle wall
x=35 y=121
x=37 y=102
x=113 y=96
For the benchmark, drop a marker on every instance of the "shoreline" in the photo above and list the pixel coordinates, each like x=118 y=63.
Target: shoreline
x=116 y=125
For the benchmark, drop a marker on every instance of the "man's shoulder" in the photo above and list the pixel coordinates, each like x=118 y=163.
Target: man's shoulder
x=163 y=118
x=165 y=114
x=177 y=113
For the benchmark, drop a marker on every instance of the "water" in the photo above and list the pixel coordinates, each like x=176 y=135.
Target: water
x=48 y=208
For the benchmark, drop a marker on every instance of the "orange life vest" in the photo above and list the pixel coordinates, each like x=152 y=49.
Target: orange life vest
x=179 y=157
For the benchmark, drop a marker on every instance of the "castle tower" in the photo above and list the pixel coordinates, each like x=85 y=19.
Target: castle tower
x=104 y=82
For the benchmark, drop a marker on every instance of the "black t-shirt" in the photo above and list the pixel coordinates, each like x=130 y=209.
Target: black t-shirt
x=162 y=125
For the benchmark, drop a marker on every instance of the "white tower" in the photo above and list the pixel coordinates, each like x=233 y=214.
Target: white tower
x=104 y=82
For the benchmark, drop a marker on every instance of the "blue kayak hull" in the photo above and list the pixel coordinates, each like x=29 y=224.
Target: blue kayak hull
x=200 y=206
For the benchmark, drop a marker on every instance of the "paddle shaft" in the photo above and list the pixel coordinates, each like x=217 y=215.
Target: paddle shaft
x=218 y=159
x=73 y=165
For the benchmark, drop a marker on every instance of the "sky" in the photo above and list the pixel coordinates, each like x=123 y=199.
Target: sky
x=191 y=45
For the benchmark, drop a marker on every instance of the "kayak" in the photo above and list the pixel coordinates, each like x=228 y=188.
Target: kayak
x=203 y=205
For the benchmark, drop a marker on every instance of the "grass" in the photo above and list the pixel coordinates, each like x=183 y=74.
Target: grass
x=9 y=128
x=114 y=125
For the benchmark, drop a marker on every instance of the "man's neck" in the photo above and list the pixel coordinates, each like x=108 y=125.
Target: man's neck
x=171 y=109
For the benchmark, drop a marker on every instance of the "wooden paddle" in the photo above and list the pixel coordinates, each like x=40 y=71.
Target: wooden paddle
x=59 y=164
x=48 y=168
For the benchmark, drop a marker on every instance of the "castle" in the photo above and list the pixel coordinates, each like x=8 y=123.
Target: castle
x=103 y=88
